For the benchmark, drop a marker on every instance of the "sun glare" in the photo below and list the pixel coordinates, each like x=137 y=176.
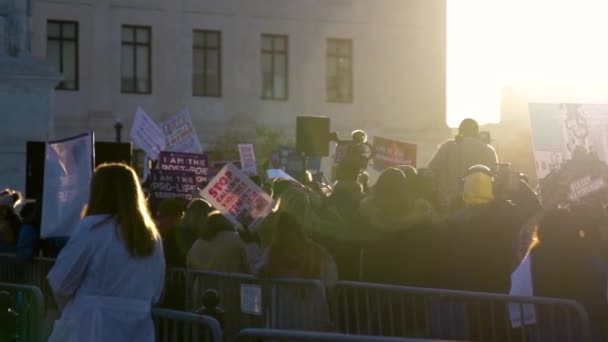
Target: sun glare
x=540 y=46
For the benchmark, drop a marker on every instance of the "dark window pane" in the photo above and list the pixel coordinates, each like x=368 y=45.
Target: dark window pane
x=339 y=70
x=127 y=69
x=212 y=59
x=280 y=64
x=266 y=43
x=127 y=34
x=267 y=63
x=52 y=53
x=267 y=85
x=280 y=44
x=212 y=85
x=212 y=40
x=198 y=39
x=344 y=48
x=52 y=30
x=142 y=70
x=332 y=66
x=143 y=35
x=332 y=49
x=198 y=62
x=69 y=65
x=69 y=31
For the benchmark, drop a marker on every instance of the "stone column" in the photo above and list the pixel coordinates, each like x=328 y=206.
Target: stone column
x=27 y=100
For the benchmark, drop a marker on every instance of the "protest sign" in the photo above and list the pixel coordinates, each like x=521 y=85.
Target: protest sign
x=278 y=173
x=146 y=134
x=68 y=169
x=217 y=166
x=390 y=153
x=167 y=184
x=237 y=197
x=558 y=129
x=251 y=299
x=180 y=133
x=584 y=187
x=521 y=285
x=247 y=155
x=180 y=161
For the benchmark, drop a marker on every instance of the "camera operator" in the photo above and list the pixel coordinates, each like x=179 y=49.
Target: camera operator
x=455 y=156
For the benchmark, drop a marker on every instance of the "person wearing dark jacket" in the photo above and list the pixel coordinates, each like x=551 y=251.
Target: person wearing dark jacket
x=478 y=245
x=564 y=264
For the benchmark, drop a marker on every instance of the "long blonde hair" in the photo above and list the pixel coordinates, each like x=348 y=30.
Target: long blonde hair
x=115 y=190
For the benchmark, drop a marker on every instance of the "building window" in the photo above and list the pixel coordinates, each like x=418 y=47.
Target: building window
x=136 y=65
x=62 y=51
x=274 y=67
x=340 y=70
x=207 y=63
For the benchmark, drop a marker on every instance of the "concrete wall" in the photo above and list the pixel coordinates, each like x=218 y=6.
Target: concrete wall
x=399 y=64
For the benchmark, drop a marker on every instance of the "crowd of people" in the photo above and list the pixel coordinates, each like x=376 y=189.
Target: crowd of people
x=465 y=223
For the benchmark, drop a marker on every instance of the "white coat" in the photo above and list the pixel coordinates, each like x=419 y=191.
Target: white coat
x=104 y=292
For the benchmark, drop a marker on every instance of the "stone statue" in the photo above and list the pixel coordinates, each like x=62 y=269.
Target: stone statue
x=14 y=28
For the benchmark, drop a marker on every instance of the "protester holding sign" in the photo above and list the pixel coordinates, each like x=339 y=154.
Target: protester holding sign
x=580 y=273
x=237 y=197
x=391 y=153
x=112 y=270
x=180 y=133
x=146 y=134
x=190 y=162
x=68 y=168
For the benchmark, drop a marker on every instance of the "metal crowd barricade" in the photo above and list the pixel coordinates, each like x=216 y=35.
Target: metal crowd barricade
x=179 y=326
x=260 y=335
x=175 y=294
x=388 y=310
x=251 y=302
x=31 y=272
x=29 y=305
x=8 y=268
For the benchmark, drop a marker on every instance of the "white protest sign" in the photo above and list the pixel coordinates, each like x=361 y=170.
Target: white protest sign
x=146 y=134
x=278 y=173
x=68 y=169
x=180 y=133
x=251 y=299
x=521 y=285
x=247 y=159
x=585 y=186
x=237 y=197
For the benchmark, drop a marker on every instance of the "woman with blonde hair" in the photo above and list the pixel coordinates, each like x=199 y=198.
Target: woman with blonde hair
x=112 y=269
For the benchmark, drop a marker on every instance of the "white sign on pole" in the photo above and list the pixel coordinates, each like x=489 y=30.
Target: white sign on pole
x=521 y=285
x=237 y=197
x=180 y=133
x=247 y=155
x=68 y=169
x=251 y=299
x=147 y=135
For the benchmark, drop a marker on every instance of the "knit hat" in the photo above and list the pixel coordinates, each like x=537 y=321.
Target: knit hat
x=10 y=198
x=478 y=187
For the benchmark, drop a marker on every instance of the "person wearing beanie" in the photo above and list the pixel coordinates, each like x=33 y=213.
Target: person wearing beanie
x=456 y=156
